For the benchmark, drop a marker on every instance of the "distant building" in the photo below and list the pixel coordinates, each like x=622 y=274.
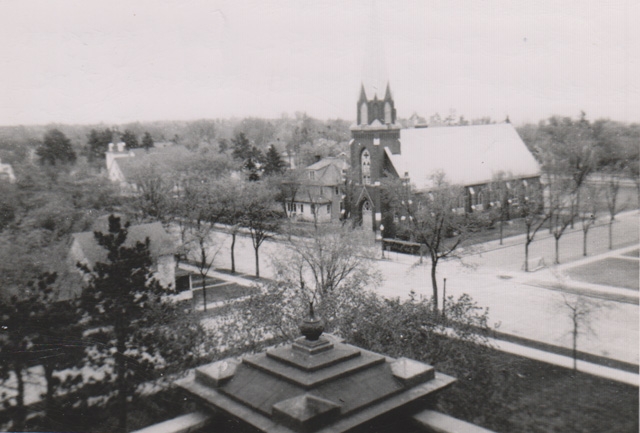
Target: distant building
x=320 y=196
x=85 y=249
x=123 y=166
x=6 y=173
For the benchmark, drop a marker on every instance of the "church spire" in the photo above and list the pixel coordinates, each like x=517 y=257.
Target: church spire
x=374 y=72
x=375 y=103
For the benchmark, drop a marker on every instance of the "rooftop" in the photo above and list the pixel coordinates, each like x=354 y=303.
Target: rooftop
x=163 y=159
x=328 y=171
x=160 y=243
x=469 y=155
x=316 y=384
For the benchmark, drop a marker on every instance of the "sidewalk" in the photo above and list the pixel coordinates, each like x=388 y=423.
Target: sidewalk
x=528 y=352
x=542 y=237
x=567 y=362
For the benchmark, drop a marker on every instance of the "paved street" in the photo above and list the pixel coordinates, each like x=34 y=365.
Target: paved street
x=494 y=279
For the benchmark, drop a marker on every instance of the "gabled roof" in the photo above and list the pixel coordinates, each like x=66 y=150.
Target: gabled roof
x=160 y=243
x=468 y=155
x=163 y=159
x=328 y=171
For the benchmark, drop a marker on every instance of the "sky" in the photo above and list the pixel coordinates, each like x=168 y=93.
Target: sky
x=121 y=61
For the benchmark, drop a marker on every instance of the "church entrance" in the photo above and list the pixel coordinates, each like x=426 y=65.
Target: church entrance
x=367 y=215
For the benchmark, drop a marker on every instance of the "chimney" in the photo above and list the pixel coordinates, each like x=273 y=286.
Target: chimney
x=121 y=146
x=110 y=147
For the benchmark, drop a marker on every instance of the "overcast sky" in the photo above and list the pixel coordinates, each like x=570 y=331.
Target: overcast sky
x=120 y=61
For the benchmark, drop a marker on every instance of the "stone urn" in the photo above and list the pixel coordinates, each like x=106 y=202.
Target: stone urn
x=312 y=327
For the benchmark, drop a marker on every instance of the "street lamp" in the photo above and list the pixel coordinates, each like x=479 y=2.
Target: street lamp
x=382 y=238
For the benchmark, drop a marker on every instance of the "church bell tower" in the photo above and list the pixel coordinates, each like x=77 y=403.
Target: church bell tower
x=374 y=134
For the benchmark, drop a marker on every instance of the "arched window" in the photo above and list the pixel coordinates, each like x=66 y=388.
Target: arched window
x=387 y=112
x=364 y=114
x=365 y=161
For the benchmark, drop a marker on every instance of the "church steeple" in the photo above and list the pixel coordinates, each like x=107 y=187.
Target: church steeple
x=375 y=103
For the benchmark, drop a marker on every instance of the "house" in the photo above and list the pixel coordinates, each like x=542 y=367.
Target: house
x=320 y=195
x=6 y=173
x=85 y=249
x=469 y=156
x=124 y=166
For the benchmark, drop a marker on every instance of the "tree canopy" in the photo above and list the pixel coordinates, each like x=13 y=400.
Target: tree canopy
x=130 y=139
x=56 y=148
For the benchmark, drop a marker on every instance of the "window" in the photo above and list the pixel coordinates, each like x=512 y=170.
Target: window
x=462 y=201
x=329 y=209
x=337 y=191
x=312 y=175
x=387 y=112
x=364 y=114
x=365 y=161
x=480 y=198
x=301 y=208
x=313 y=208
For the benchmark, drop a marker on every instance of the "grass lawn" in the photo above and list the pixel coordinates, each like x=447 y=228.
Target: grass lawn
x=556 y=399
x=225 y=292
x=610 y=271
x=196 y=281
x=511 y=228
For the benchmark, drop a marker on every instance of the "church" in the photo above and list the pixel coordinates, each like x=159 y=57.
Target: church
x=469 y=156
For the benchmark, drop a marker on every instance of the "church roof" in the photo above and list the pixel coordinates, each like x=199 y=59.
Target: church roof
x=468 y=155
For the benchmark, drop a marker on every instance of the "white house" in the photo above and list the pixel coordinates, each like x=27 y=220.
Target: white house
x=85 y=249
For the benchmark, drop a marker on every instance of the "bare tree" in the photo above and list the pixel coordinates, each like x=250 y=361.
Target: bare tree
x=611 y=191
x=534 y=218
x=202 y=209
x=154 y=196
x=580 y=310
x=434 y=219
x=569 y=149
x=588 y=211
x=327 y=259
x=258 y=214
x=231 y=200
x=561 y=208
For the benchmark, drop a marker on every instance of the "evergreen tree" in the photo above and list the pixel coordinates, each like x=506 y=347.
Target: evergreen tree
x=119 y=300
x=147 y=141
x=273 y=162
x=241 y=147
x=250 y=156
x=98 y=144
x=38 y=329
x=130 y=139
x=56 y=147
